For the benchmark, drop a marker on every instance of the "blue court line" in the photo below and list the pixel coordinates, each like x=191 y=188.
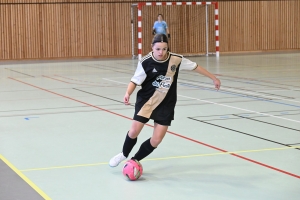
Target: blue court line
x=224 y=117
x=234 y=94
x=28 y=118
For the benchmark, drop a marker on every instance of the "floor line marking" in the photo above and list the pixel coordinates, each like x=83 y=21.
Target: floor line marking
x=224 y=153
x=240 y=132
x=166 y=158
x=72 y=99
x=258 y=80
x=27 y=180
x=224 y=91
x=224 y=105
x=228 y=106
x=66 y=81
x=256 y=93
x=64 y=167
x=173 y=133
x=19 y=72
x=55 y=79
x=114 y=81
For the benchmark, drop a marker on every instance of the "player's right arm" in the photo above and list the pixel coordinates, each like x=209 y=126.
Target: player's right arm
x=131 y=87
x=137 y=79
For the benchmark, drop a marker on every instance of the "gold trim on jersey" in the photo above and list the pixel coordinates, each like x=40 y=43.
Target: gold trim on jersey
x=175 y=54
x=160 y=61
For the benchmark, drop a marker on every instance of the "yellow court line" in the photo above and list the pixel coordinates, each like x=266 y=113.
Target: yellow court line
x=27 y=180
x=63 y=167
x=165 y=158
x=224 y=153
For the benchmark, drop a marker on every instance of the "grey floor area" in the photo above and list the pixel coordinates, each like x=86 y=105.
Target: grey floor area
x=61 y=122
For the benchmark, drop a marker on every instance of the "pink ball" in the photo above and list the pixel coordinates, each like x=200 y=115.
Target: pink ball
x=133 y=170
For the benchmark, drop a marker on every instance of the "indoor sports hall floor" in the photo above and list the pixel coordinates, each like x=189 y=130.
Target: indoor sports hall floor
x=61 y=122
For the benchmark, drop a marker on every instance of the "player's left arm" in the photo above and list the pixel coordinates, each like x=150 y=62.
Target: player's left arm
x=187 y=64
x=206 y=73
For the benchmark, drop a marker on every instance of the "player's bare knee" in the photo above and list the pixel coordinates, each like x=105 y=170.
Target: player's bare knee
x=155 y=141
x=133 y=133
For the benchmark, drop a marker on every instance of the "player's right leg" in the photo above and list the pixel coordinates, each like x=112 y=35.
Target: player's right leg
x=130 y=141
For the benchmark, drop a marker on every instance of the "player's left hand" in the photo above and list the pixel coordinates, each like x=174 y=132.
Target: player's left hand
x=217 y=83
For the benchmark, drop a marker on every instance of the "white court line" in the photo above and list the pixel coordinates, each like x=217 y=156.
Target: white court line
x=274 y=90
x=219 y=104
x=244 y=92
x=115 y=81
x=261 y=95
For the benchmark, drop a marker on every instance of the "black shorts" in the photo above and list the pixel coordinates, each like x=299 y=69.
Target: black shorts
x=144 y=120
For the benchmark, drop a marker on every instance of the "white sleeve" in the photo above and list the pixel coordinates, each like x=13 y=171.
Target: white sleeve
x=187 y=64
x=139 y=75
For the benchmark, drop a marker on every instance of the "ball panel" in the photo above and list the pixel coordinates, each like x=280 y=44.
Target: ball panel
x=132 y=170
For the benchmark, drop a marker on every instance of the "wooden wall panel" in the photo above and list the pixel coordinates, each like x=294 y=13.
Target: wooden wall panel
x=50 y=29
x=64 y=30
x=87 y=1
x=259 y=25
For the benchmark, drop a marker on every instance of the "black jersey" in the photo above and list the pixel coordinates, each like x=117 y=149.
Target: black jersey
x=158 y=80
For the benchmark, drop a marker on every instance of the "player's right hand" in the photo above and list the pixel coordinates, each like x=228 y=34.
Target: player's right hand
x=126 y=99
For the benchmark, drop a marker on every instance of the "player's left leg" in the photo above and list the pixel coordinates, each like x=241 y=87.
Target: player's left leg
x=149 y=145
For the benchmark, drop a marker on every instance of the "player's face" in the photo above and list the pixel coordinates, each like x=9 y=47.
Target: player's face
x=160 y=50
x=159 y=17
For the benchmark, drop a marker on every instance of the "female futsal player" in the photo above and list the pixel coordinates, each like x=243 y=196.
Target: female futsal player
x=157 y=74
